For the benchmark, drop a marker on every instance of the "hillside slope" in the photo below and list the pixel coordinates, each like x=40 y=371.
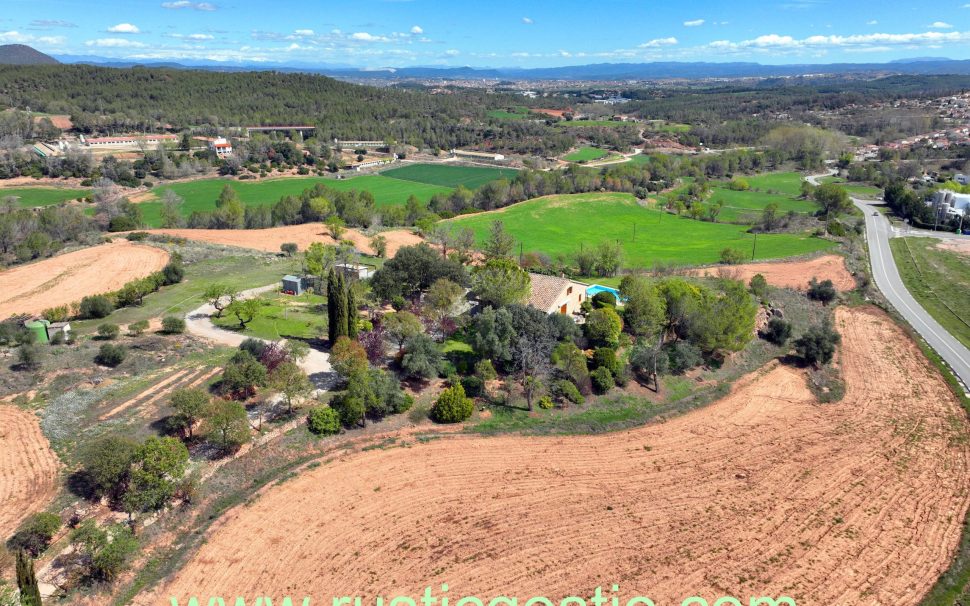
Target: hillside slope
x=21 y=54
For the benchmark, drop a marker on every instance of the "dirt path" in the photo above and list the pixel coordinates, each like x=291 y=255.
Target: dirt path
x=28 y=468
x=763 y=493
x=68 y=278
x=270 y=239
x=790 y=274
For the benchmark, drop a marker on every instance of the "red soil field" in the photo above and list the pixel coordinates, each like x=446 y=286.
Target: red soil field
x=790 y=274
x=28 y=468
x=269 y=240
x=67 y=278
x=765 y=492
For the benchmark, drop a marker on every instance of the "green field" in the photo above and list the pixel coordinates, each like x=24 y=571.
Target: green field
x=445 y=175
x=784 y=182
x=283 y=316
x=591 y=123
x=938 y=279
x=586 y=154
x=855 y=189
x=514 y=113
x=668 y=127
x=640 y=158
x=746 y=206
x=30 y=197
x=201 y=195
x=562 y=224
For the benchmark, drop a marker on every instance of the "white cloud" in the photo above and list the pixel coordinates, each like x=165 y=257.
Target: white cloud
x=192 y=36
x=304 y=32
x=856 y=43
x=941 y=25
x=873 y=22
x=417 y=30
x=451 y=52
x=199 y=6
x=45 y=23
x=659 y=42
x=114 y=43
x=527 y=21
x=16 y=37
x=124 y=28
x=694 y=23
x=365 y=37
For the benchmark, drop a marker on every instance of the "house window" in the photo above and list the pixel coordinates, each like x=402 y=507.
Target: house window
x=570 y=291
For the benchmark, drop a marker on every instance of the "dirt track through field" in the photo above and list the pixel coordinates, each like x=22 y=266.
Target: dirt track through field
x=765 y=492
x=68 y=278
x=270 y=239
x=790 y=274
x=28 y=468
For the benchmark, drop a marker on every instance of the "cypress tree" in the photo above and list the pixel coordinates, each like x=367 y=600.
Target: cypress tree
x=351 y=311
x=340 y=308
x=27 y=581
x=333 y=298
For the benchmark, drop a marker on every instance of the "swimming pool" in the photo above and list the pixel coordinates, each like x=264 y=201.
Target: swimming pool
x=597 y=288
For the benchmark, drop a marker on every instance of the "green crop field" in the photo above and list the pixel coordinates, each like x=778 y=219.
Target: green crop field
x=30 y=197
x=201 y=195
x=668 y=127
x=640 y=158
x=562 y=224
x=591 y=123
x=515 y=113
x=446 y=175
x=746 y=206
x=784 y=182
x=586 y=154
x=855 y=189
x=938 y=279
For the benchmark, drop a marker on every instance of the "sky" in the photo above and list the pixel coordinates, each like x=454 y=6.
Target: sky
x=491 y=33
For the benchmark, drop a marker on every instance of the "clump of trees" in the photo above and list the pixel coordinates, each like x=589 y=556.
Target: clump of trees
x=817 y=346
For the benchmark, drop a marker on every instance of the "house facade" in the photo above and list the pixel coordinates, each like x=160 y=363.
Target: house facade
x=552 y=294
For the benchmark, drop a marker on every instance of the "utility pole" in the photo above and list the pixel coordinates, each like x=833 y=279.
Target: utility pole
x=754 y=246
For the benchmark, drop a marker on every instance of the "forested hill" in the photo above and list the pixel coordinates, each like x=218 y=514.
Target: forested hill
x=21 y=54
x=105 y=99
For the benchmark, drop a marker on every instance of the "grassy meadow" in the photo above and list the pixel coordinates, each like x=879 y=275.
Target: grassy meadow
x=586 y=154
x=563 y=224
x=450 y=175
x=34 y=196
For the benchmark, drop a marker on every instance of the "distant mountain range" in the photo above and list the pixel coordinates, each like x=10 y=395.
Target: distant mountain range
x=21 y=54
x=24 y=55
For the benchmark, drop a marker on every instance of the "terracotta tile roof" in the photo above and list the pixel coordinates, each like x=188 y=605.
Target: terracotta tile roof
x=546 y=291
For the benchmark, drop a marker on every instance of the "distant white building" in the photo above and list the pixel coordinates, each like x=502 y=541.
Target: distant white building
x=950 y=204
x=962 y=179
x=221 y=146
x=461 y=153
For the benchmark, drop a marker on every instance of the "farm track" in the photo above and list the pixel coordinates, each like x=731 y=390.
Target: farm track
x=28 y=468
x=765 y=492
x=179 y=379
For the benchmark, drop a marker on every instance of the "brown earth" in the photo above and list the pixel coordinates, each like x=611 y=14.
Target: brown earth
x=270 y=239
x=765 y=492
x=67 y=278
x=789 y=274
x=28 y=468
x=959 y=246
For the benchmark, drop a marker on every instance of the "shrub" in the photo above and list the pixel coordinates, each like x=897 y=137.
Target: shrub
x=109 y=331
x=95 y=306
x=29 y=356
x=602 y=380
x=473 y=386
x=173 y=272
x=289 y=248
x=604 y=299
x=254 y=346
x=682 y=356
x=758 y=286
x=732 y=256
x=817 y=345
x=111 y=355
x=485 y=370
x=452 y=406
x=605 y=357
x=173 y=325
x=603 y=327
x=566 y=391
x=35 y=534
x=323 y=420
x=61 y=313
x=777 y=331
x=137 y=328
x=823 y=291
x=545 y=402
x=398 y=302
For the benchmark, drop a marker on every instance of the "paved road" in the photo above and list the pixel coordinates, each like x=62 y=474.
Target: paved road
x=878 y=232
x=199 y=323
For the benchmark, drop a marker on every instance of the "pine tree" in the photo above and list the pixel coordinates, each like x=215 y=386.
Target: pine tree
x=333 y=298
x=351 y=311
x=27 y=581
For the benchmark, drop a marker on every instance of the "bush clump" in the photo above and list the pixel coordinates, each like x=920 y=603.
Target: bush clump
x=95 y=306
x=605 y=357
x=682 y=356
x=777 y=331
x=35 y=534
x=323 y=420
x=602 y=380
x=474 y=386
x=604 y=299
x=567 y=392
x=823 y=291
x=111 y=355
x=108 y=331
x=817 y=345
x=137 y=328
x=173 y=325
x=452 y=406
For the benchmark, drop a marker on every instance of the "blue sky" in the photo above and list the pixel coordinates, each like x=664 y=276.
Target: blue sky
x=499 y=33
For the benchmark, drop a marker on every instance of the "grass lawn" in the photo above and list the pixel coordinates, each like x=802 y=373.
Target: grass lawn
x=939 y=280
x=784 y=182
x=668 y=127
x=283 y=316
x=515 y=113
x=855 y=189
x=201 y=195
x=746 y=206
x=446 y=175
x=562 y=224
x=586 y=154
x=30 y=197
x=640 y=158
x=240 y=273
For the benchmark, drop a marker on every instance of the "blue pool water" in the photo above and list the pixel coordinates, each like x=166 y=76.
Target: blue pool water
x=596 y=288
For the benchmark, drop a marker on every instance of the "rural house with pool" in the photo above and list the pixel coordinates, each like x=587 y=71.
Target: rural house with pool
x=553 y=294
